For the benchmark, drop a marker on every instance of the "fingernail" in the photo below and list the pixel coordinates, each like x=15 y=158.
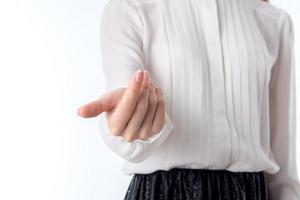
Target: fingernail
x=146 y=74
x=139 y=75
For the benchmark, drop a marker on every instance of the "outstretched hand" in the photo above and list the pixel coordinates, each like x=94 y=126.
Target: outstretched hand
x=133 y=112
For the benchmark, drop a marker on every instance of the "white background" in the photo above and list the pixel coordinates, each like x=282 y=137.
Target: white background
x=49 y=66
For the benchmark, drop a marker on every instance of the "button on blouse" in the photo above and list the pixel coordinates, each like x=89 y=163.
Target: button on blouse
x=227 y=71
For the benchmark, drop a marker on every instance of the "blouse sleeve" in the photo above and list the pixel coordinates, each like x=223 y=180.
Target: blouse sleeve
x=285 y=184
x=121 y=47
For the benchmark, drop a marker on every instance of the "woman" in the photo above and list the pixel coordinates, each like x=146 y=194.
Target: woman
x=213 y=115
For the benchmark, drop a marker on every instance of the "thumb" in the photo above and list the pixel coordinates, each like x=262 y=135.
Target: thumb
x=104 y=103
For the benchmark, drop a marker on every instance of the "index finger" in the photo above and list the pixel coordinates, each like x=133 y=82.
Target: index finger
x=128 y=101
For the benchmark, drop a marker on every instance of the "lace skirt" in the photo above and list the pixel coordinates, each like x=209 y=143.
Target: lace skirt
x=197 y=184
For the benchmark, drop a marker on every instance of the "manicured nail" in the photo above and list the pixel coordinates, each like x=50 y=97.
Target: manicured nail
x=139 y=75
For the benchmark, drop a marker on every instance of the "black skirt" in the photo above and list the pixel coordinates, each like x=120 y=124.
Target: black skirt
x=197 y=184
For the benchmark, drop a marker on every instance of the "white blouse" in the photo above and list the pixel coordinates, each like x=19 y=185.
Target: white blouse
x=227 y=71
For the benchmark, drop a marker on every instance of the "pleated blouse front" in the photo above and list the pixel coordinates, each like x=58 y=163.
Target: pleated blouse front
x=227 y=71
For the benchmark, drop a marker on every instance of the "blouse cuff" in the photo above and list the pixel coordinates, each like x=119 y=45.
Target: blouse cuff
x=138 y=149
